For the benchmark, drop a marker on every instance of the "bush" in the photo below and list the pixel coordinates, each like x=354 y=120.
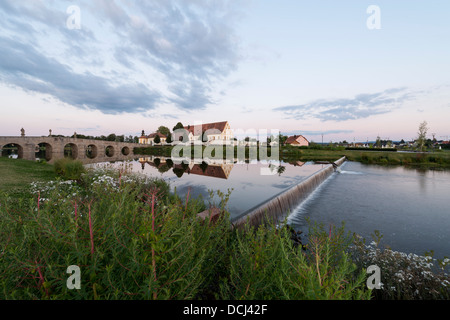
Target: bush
x=264 y=264
x=69 y=169
x=395 y=161
x=404 y=276
x=130 y=242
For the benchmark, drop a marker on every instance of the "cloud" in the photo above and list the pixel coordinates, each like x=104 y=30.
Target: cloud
x=179 y=51
x=22 y=66
x=191 y=42
x=361 y=106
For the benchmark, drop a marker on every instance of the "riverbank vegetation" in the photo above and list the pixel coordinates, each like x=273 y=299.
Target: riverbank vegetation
x=17 y=174
x=437 y=159
x=134 y=239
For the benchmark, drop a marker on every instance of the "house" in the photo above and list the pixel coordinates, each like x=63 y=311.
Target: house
x=216 y=133
x=297 y=140
x=143 y=139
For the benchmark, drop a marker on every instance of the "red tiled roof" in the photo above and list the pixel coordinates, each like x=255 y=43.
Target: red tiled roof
x=208 y=126
x=293 y=139
x=152 y=135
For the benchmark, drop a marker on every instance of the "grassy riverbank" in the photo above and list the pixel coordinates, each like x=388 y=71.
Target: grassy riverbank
x=133 y=239
x=16 y=175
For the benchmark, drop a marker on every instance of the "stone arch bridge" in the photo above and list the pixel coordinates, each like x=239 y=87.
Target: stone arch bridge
x=54 y=148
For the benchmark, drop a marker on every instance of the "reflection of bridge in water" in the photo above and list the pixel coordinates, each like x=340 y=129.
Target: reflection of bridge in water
x=54 y=148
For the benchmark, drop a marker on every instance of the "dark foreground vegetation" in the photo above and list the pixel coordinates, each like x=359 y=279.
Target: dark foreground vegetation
x=133 y=239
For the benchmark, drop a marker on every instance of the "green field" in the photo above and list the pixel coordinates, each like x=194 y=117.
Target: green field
x=17 y=174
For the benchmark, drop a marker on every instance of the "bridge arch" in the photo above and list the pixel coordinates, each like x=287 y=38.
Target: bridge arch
x=11 y=149
x=126 y=151
x=91 y=151
x=44 y=150
x=71 y=150
x=109 y=151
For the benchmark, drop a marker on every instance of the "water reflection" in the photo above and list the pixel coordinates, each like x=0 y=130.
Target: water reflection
x=216 y=168
x=220 y=169
x=252 y=181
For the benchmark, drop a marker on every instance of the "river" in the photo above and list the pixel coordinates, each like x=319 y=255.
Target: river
x=409 y=207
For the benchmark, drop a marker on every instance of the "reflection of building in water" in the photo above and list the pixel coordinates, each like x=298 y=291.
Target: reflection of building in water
x=217 y=171
x=297 y=163
x=214 y=168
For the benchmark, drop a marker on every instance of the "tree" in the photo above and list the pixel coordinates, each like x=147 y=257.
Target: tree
x=163 y=130
x=421 y=139
x=111 y=137
x=378 y=142
x=179 y=125
x=282 y=139
x=120 y=138
x=157 y=139
x=169 y=138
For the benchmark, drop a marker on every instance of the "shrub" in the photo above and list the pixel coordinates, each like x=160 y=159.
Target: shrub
x=69 y=169
x=404 y=276
x=395 y=161
x=130 y=243
x=364 y=158
x=265 y=264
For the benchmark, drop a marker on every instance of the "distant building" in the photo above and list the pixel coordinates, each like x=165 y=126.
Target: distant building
x=216 y=133
x=297 y=140
x=143 y=139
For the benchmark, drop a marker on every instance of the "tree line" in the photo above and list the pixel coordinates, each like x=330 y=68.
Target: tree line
x=110 y=137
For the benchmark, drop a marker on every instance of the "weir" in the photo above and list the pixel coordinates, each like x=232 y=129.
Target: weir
x=281 y=204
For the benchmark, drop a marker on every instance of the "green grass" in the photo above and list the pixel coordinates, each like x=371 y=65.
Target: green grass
x=17 y=174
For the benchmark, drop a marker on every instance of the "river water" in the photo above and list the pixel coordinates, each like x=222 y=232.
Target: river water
x=252 y=183
x=409 y=207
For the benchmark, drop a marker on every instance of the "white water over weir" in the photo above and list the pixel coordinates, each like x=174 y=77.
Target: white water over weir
x=288 y=200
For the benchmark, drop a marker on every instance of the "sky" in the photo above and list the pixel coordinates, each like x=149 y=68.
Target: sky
x=333 y=70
